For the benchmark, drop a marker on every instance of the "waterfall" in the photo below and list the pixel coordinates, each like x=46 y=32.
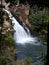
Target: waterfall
x=20 y=35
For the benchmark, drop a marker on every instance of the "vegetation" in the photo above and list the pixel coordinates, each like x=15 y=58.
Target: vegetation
x=39 y=19
x=7 y=47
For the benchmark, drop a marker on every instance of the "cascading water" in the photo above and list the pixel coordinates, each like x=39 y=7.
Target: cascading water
x=20 y=35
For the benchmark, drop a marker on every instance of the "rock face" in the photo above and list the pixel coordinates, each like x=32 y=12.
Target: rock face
x=23 y=13
x=6 y=24
x=21 y=9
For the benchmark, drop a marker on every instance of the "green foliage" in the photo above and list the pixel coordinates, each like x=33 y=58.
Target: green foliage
x=39 y=19
x=7 y=47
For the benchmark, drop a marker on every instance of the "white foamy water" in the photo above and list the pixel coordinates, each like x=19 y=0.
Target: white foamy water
x=20 y=35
